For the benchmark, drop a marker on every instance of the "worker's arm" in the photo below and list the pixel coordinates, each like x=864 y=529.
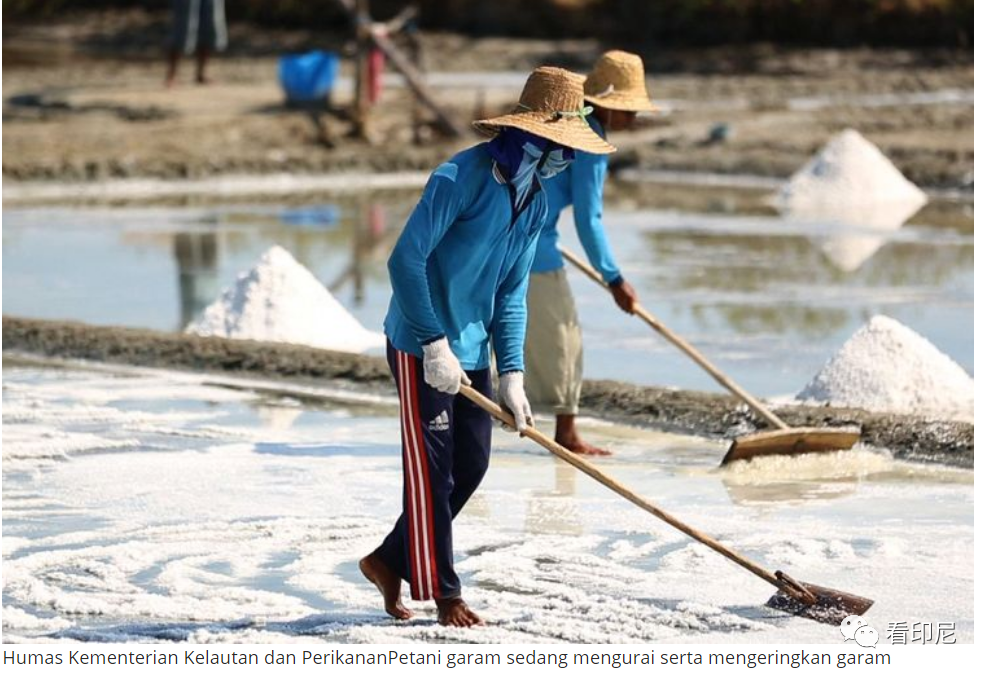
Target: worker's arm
x=437 y=209
x=509 y=320
x=587 y=185
x=509 y=337
x=587 y=188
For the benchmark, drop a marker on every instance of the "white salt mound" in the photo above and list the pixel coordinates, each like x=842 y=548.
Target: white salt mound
x=885 y=366
x=850 y=175
x=280 y=300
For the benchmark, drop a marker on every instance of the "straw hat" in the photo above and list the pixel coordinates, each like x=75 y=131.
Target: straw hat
x=618 y=82
x=552 y=106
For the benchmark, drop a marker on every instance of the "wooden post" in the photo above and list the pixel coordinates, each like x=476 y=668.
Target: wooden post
x=414 y=80
x=369 y=33
x=416 y=50
x=362 y=107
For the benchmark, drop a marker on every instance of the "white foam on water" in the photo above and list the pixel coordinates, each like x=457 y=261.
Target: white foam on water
x=886 y=366
x=840 y=465
x=280 y=300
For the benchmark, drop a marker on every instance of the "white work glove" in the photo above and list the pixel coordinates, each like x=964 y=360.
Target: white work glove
x=512 y=396
x=442 y=369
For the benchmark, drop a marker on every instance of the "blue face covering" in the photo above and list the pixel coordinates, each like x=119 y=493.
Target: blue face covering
x=521 y=155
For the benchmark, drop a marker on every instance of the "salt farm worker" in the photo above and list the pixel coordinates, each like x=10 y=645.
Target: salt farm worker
x=200 y=26
x=459 y=273
x=616 y=88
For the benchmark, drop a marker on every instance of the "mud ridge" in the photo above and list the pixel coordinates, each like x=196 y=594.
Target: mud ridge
x=908 y=438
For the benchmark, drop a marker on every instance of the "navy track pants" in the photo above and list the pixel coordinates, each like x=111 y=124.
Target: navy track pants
x=446 y=443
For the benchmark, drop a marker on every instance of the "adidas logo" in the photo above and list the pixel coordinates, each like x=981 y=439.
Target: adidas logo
x=440 y=423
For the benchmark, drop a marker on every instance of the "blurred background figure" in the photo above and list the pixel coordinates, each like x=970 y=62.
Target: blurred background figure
x=200 y=27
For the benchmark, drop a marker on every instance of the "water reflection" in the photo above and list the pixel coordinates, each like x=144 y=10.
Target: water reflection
x=747 y=285
x=372 y=239
x=851 y=234
x=343 y=243
x=744 y=494
x=805 y=278
x=196 y=261
x=800 y=478
x=849 y=252
x=805 y=478
x=554 y=511
x=275 y=417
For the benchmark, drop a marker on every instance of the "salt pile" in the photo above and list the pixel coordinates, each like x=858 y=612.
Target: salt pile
x=885 y=366
x=848 y=174
x=848 y=187
x=280 y=300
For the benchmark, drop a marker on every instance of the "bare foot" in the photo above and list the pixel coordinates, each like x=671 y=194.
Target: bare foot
x=390 y=585
x=579 y=446
x=456 y=612
x=567 y=436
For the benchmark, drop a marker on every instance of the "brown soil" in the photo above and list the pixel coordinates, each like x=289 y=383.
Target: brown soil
x=79 y=105
x=907 y=437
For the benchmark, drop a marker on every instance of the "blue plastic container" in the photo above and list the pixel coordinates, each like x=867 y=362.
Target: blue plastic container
x=312 y=217
x=309 y=77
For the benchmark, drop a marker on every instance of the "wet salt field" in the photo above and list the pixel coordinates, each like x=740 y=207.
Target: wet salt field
x=766 y=298
x=145 y=505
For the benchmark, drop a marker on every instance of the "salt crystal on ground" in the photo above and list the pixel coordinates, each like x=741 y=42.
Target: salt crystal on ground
x=885 y=366
x=850 y=172
x=280 y=300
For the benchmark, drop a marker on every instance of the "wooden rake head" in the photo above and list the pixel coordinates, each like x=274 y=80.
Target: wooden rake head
x=823 y=605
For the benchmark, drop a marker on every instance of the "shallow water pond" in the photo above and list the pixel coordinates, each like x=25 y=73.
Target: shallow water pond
x=767 y=299
x=150 y=505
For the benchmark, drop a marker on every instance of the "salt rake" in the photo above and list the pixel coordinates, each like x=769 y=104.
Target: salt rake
x=802 y=599
x=785 y=440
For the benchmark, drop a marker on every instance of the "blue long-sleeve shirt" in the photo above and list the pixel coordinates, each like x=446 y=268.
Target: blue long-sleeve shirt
x=581 y=184
x=460 y=268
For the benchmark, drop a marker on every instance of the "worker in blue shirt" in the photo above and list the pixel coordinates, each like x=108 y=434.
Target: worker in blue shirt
x=459 y=274
x=554 y=355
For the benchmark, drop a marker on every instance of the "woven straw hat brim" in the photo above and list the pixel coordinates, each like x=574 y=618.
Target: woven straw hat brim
x=625 y=102
x=572 y=132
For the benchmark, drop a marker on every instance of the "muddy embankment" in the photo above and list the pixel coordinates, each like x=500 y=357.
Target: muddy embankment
x=907 y=437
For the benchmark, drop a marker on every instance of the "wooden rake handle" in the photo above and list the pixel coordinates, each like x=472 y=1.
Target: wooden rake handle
x=685 y=347
x=588 y=469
